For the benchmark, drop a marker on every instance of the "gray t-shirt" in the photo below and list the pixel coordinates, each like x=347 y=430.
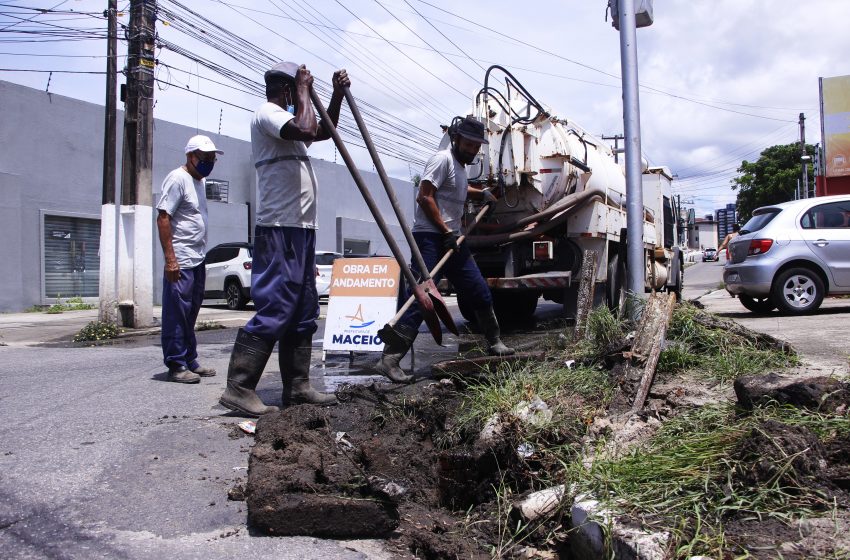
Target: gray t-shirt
x=184 y=198
x=286 y=185
x=449 y=178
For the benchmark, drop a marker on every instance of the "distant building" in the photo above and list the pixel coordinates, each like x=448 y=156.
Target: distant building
x=705 y=234
x=725 y=218
x=51 y=176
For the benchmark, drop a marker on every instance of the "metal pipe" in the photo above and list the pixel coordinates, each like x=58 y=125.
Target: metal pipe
x=631 y=122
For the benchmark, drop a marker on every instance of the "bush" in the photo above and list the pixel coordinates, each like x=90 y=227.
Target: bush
x=97 y=330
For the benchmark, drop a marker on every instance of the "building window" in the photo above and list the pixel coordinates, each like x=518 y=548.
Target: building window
x=217 y=190
x=355 y=247
x=71 y=261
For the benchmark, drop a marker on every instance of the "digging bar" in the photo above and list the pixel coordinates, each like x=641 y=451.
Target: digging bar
x=427 y=279
x=425 y=300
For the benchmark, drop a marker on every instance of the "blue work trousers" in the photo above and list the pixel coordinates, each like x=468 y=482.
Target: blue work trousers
x=283 y=283
x=460 y=269
x=181 y=302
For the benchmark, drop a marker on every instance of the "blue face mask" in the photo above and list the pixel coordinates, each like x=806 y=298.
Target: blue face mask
x=204 y=168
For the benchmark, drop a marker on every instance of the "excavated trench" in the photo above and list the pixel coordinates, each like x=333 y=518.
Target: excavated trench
x=390 y=462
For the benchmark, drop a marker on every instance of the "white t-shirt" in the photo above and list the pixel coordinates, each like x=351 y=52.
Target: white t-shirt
x=184 y=198
x=286 y=185
x=449 y=178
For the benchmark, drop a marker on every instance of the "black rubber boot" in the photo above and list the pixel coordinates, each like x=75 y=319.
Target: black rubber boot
x=489 y=325
x=394 y=350
x=247 y=361
x=294 y=359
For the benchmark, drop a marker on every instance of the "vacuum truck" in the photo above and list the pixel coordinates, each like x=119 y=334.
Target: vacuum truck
x=561 y=192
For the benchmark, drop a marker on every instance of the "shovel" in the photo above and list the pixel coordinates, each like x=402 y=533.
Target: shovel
x=426 y=294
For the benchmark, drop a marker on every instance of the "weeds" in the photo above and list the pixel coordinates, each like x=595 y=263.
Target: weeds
x=688 y=475
x=70 y=304
x=97 y=331
x=716 y=353
x=208 y=326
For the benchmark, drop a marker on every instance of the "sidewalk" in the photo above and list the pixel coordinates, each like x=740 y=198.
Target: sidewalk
x=27 y=329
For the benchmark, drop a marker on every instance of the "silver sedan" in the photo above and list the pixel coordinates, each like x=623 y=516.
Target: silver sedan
x=790 y=255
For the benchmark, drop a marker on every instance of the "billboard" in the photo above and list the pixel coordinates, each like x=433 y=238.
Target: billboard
x=835 y=124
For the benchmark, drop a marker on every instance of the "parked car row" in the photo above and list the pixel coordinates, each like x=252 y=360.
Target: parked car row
x=228 y=269
x=789 y=256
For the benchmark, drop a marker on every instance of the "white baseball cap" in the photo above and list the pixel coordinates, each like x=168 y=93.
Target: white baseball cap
x=202 y=143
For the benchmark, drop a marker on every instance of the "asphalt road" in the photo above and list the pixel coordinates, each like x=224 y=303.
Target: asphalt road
x=101 y=458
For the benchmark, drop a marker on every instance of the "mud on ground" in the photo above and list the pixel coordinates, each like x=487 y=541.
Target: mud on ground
x=391 y=462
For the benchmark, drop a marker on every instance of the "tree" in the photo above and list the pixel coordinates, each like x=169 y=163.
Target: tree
x=770 y=179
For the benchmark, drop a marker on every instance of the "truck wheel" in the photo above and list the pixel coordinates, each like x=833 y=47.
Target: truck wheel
x=797 y=291
x=678 y=270
x=515 y=306
x=615 y=289
x=465 y=309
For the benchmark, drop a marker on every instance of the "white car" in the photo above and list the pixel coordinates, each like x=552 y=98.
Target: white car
x=229 y=274
x=324 y=267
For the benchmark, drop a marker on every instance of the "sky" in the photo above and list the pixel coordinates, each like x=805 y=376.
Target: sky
x=721 y=80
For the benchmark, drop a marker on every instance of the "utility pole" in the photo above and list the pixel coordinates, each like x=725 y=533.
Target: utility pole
x=107 y=292
x=631 y=121
x=804 y=157
x=135 y=282
x=617 y=151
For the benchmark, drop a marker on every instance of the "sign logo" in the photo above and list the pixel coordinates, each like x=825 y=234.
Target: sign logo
x=358 y=315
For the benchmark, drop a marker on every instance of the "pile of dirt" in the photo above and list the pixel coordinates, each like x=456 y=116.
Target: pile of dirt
x=374 y=467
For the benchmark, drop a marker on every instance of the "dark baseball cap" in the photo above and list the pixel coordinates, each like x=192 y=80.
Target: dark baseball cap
x=281 y=72
x=472 y=129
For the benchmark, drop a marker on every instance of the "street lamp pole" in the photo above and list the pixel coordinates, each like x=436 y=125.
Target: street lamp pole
x=631 y=129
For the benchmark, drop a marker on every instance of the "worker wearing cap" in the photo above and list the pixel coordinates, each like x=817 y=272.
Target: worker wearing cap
x=182 y=226
x=443 y=190
x=283 y=281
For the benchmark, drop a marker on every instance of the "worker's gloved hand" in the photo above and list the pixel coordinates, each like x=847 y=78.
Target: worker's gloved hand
x=450 y=241
x=489 y=197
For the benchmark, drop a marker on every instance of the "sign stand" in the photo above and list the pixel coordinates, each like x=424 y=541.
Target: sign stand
x=363 y=297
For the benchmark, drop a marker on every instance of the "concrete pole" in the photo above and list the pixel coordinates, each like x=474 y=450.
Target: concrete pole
x=108 y=292
x=135 y=281
x=631 y=143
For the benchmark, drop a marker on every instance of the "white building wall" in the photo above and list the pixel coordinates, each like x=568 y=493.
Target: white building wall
x=51 y=162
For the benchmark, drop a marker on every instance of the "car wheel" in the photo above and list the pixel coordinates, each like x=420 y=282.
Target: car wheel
x=797 y=291
x=234 y=296
x=757 y=304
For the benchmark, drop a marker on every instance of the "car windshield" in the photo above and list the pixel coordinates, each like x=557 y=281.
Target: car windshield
x=758 y=221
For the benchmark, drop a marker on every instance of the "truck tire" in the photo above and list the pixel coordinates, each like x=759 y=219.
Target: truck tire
x=515 y=306
x=677 y=270
x=615 y=288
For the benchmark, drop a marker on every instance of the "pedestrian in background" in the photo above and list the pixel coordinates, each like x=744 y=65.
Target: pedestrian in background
x=283 y=272
x=728 y=239
x=182 y=226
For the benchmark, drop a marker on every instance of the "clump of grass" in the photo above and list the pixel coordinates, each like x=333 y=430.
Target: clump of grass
x=96 y=331
x=70 y=304
x=208 y=326
x=685 y=476
x=716 y=353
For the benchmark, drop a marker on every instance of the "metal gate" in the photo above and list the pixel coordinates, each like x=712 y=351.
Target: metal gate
x=71 y=257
